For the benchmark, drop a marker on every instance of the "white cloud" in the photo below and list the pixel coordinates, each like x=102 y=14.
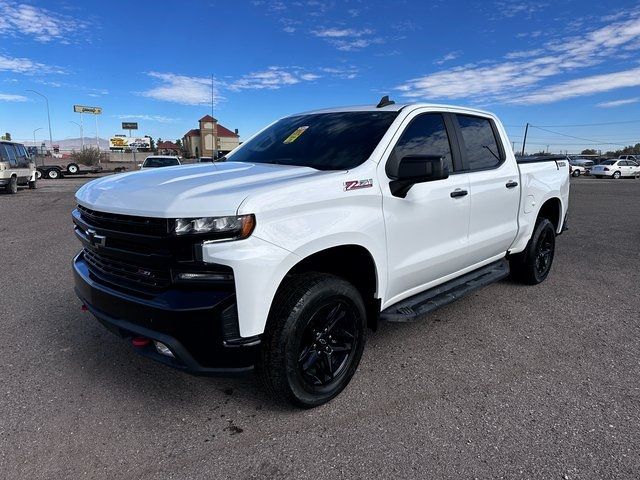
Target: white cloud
x=341 y=32
x=521 y=74
x=448 y=57
x=183 y=89
x=618 y=103
x=583 y=86
x=39 y=23
x=348 y=39
x=7 y=97
x=272 y=78
x=151 y=118
x=26 y=66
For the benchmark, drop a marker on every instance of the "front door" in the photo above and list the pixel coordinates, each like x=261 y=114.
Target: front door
x=426 y=230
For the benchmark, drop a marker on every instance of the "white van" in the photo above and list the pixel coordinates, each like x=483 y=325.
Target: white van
x=16 y=167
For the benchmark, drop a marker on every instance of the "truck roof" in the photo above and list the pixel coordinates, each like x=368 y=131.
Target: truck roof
x=396 y=107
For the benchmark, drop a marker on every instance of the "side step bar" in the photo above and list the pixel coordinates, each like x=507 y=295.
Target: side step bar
x=412 y=308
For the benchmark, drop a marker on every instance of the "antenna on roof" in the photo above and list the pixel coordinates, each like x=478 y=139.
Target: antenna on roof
x=385 y=102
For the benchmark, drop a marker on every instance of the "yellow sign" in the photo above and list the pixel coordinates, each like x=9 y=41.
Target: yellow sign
x=294 y=136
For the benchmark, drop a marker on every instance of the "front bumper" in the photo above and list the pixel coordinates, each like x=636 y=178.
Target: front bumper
x=196 y=324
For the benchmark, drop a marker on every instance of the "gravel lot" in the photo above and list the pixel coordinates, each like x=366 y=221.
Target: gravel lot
x=511 y=382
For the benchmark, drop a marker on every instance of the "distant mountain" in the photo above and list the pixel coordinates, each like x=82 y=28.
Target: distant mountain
x=75 y=143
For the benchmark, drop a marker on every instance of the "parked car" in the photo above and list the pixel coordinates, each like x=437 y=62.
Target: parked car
x=579 y=166
x=309 y=233
x=16 y=167
x=616 y=169
x=633 y=158
x=157 y=161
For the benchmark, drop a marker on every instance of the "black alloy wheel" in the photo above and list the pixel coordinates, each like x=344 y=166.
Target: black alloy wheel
x=326 y=347
x=544 y=252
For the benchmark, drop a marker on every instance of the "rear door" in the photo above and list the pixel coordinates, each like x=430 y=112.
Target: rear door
x=494 y=187
x=427 y=230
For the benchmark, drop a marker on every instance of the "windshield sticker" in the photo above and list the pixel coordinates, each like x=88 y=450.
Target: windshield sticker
x=294 y=136
x=358 y=184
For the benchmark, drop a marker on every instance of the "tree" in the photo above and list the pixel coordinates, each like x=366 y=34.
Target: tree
x=159 y=141
x=152 y=144
x=6 y=136
x=588 y=151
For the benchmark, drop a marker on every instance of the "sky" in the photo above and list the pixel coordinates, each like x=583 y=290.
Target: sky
x=570 y=68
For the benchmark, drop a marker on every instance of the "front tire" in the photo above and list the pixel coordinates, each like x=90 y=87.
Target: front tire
x=576 y=173
x=314 y=339
x=617 y=175
x=33 y=184
x=12 y=186
x=532 y=266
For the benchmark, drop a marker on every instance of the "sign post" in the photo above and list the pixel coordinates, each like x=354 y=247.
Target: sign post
x=129 y=126
x=94 y=111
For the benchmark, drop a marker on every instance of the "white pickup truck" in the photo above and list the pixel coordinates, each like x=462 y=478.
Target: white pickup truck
x=281 y=257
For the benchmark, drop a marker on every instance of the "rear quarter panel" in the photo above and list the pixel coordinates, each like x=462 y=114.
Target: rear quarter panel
x=540 y=181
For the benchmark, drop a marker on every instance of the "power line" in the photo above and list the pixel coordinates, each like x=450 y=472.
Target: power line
x=590 y=124
x=578 y=138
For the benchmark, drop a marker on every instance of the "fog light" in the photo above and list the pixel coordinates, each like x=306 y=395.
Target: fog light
x=163 y=349
x=204 y=276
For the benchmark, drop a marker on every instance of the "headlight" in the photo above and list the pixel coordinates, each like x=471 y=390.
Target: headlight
x=223 y=228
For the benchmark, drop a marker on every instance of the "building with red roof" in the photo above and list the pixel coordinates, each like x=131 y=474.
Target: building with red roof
x=210 y=140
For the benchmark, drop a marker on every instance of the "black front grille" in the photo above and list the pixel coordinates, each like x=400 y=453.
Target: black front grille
x=125 y=223
x=126 y=274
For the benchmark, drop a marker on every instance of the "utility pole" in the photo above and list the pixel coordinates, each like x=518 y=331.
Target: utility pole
x=48 y=117
x=524 y=141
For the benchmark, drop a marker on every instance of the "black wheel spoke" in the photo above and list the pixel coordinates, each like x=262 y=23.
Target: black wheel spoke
x=327 y=365
x=328 y=343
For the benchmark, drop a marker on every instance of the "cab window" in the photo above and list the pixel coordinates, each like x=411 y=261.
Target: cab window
x=425 y=135
x=479 y=142
x=10 y=154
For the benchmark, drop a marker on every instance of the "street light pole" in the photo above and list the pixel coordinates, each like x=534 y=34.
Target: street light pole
x=81 y=131
x=34 y=136
x=48 y=117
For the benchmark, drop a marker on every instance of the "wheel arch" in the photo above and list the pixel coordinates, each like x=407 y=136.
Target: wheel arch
x=551 y=209
x=352 y=262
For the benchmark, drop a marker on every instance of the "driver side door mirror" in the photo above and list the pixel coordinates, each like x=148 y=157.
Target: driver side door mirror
x=412 y=169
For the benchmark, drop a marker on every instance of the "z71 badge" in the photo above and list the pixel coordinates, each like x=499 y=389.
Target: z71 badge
x=357 y=184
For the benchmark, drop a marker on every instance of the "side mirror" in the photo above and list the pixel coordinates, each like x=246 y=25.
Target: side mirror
x=412 y=169
x=139 y=165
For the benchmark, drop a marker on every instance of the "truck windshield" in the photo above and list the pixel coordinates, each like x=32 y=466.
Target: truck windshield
x=324 y=141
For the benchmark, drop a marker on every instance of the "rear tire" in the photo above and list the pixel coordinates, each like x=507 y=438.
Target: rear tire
x=33 y=184
x=53 y=174
x=38 y=174
x=532 y=266
x=12 y=186
x=72 y=168
x=314 y=339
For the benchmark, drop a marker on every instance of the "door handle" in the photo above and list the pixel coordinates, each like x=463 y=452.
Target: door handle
x=511 y=184
x=459 y=193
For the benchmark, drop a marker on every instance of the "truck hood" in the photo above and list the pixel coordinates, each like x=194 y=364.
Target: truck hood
x=211 y=189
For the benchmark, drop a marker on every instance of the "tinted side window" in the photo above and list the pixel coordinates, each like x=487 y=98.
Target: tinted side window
x=11 y=153
x=23 y=157
x=425 y=135
x=479 y=142
x=4 y=156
